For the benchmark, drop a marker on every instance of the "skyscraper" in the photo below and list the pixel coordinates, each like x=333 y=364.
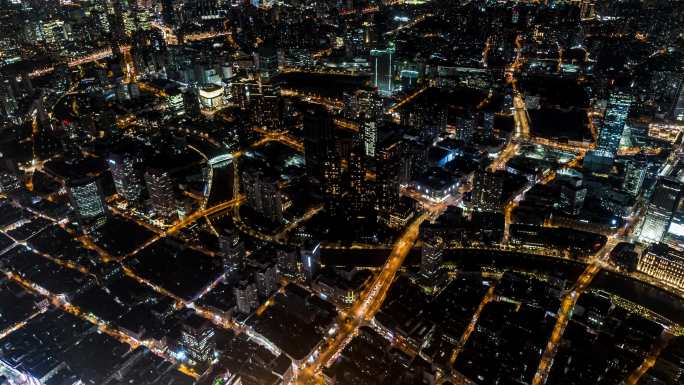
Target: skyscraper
x=88 y=200
x=387 y=178
x=369 y=131
x=162 y=195
x=263 y=193
x=431 y=255
x=331 y=183
x=635 y=173
x=358 y=197
x=266 y=278
x=319 y=139
x=310 y=255
x=246 y=298
x=126 y=176
x=659 y=210
x=232 y=250
x=614 y=122
x=198 y=340
x=383 y=69
x=487 y=191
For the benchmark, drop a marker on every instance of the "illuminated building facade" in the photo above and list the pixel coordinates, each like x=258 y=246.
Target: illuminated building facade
x=197 y=338
x=635 y=173
x=487 y=191
x=211 y=97
x=126 y=176
x=614 y=122
x=263 y=193
x=246 y=298
x=383 y=69
x=88 y=200
x=232 y=250
x=659 y=210
x=162 y=195
x=663 y=263
x=431 y=255
x=310 y=256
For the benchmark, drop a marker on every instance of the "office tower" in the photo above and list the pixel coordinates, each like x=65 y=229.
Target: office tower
x=198 y=339
x=263 y=193
x=572 y=195
x=191 y=104
x=246 y=298
x=175 y=103
x=487 y=191
x=370 y=104
x=287 y=259
x=358 y=197
x=318 y=139
x=614 y=122
x=266 y=278
x=635 y=173
x=232 y=250
x=383 y=69
x=387 y=178
x=678 y=107
x=659 y=210
x=266 y=62
x=126 y=176
x=369 y=130
x=87 y=199
x=431 y=255
x=663 y=263
x=161 y=190
x=310 y=256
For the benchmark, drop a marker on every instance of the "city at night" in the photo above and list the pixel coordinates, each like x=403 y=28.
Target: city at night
x=341 y=192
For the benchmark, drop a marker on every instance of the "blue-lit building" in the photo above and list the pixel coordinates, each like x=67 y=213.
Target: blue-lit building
x=614 y=122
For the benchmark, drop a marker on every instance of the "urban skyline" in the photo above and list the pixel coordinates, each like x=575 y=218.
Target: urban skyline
x=350 y=192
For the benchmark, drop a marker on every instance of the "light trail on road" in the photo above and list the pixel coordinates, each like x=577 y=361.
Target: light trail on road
x=365 y=308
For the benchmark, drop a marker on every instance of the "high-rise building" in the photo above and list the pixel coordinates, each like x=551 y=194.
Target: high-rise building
x=161 y=191
x=246 y=298
x=572 y=193
x=358 y=194
x=87 y=198
x=614 y=122
x=263 y=193
x=266 y=61
x=319 y=139
x=331 y=183
x=487 y=191
x=266 y=278
x=431 y=255
x=232 y=250
x=175 y=103
x=387 y=178
x=310 y=255
x=287 y=259
x=369 y=130
x=383 y=69
x=635 y=173
x=126 y=176
x=659 y=210
x=664 y=264
x=198 y=339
